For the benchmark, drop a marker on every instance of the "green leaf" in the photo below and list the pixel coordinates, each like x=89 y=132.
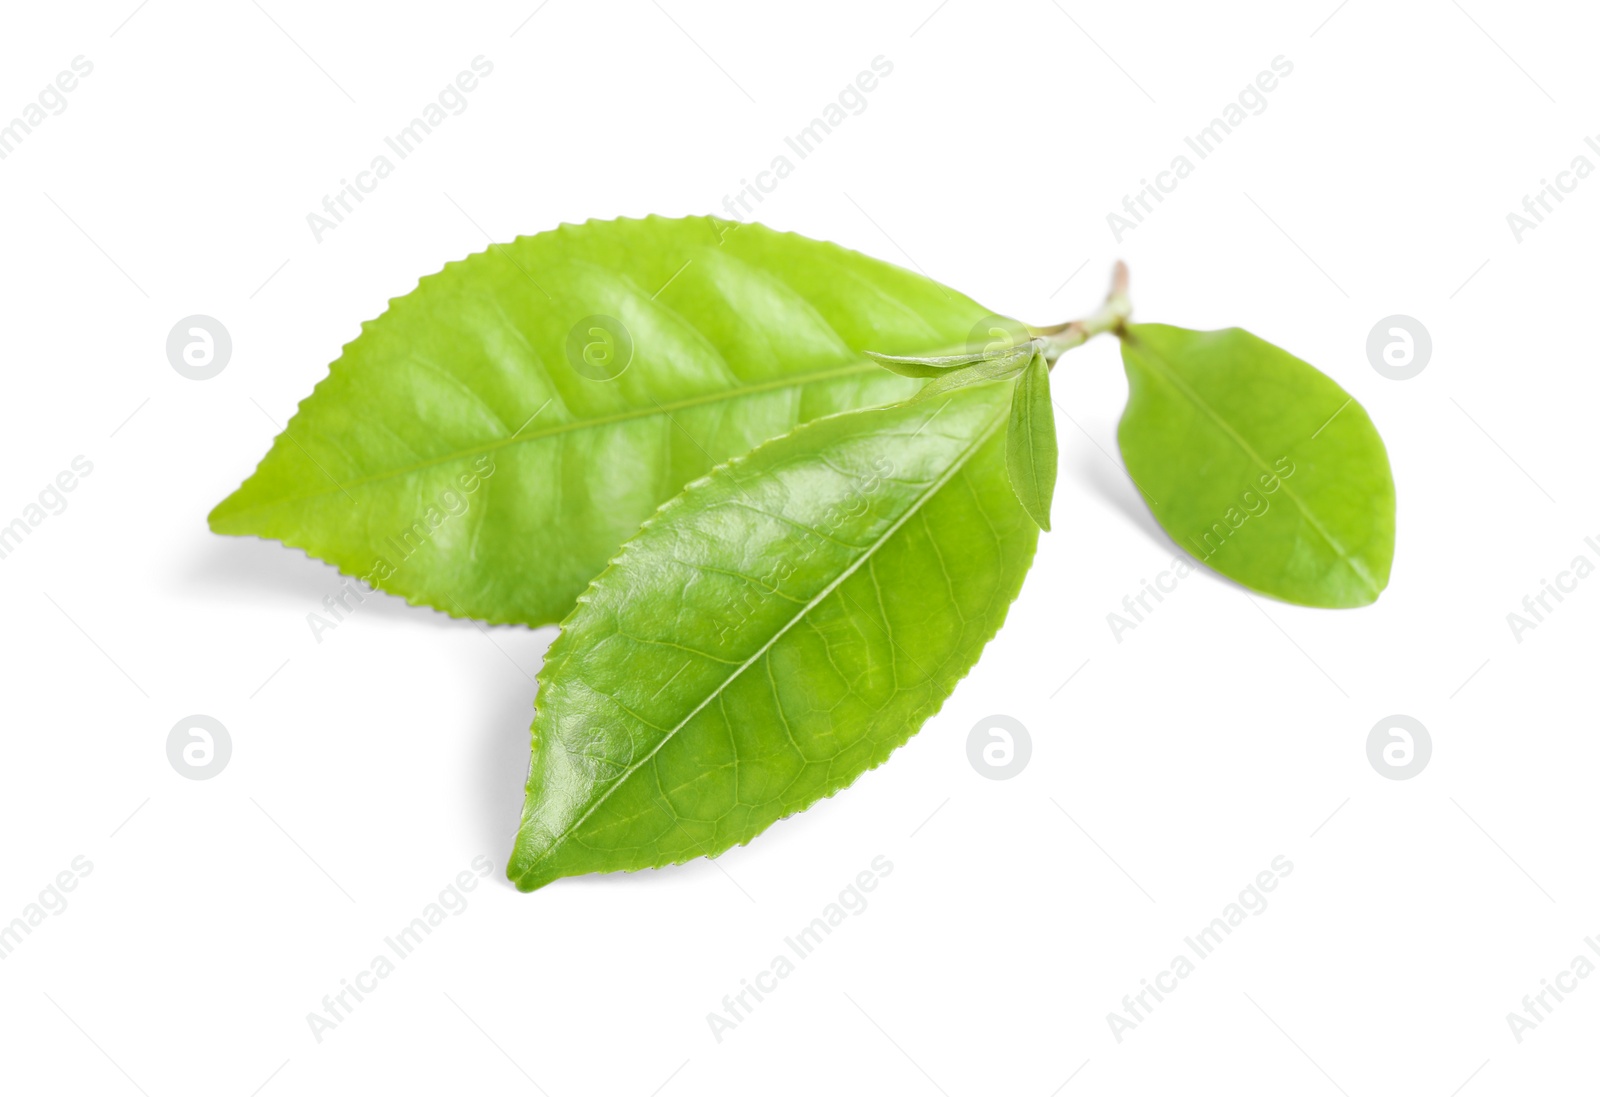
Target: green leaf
x=985 y=370
x=486 y=444
x=1031 y=441
x=937 y=365
x=771 y=634
x=1258 y=465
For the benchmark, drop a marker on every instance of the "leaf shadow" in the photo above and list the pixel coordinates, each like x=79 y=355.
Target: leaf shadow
x=502 y=744
x=263 y=571
x=690 y=872
x=1113 y=485
x=269 y=572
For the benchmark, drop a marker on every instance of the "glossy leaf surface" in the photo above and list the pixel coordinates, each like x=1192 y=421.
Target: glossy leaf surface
x=771 y=634
x=487 y=443
x=1258 y=465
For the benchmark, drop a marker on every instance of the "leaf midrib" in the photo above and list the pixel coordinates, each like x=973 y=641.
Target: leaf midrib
x=866 y=554
x=793 y=381
x=1173 y=378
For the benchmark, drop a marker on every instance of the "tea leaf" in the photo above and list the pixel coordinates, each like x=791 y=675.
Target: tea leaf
x=486 y=444
x=771 y=634
x=1031 y=441
x=990 y=368
x=937 y=365
x=1258 y=465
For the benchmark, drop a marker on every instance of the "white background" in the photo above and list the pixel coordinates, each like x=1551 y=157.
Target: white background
x=369 y=769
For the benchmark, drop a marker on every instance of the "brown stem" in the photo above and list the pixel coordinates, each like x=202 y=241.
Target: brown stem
x=1110 y=316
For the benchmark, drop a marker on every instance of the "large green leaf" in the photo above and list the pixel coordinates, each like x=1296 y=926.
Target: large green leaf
x=1258 y=465
x=771 y=634
x=476 y=448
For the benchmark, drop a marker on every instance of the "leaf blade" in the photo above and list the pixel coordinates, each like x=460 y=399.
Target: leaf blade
x=737 y=334
x=998 y=368
x=864 y=592
x=1031 y=454
x=936 y=365
x=1217 y=424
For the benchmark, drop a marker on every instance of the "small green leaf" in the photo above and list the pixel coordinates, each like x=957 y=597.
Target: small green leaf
x=1031 y=441
x=771 y=634
x=1258 y=465
x=938 y=365
x=981 y=372
x=486 y=444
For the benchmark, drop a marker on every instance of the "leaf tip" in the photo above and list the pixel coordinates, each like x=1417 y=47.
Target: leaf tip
x=218 y=520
